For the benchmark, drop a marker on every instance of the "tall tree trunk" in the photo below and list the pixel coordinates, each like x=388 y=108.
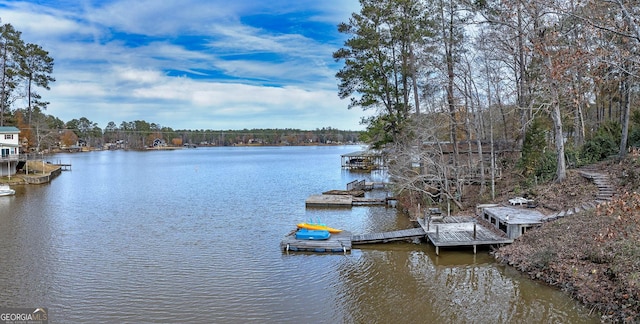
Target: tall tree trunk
x=490 y=108
x=561 y=170
x=448 y=30
x=414 y=74
x=625 y=111
x=523 y=104
x=578 y=125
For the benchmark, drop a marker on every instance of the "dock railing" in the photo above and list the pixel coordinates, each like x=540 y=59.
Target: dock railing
x=356 y=185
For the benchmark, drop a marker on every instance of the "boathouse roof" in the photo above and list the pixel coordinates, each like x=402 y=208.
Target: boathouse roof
x=515 y=216
x=361 y=153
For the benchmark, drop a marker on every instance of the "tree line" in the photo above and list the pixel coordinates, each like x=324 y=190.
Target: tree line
x=558 y=78
x=139 y=134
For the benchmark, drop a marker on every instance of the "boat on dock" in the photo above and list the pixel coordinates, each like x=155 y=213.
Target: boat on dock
x=5 y=190
x=318 y=227
x=307 y=234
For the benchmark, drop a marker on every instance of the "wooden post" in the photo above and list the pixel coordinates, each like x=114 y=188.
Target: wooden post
x=474 y=232
x=474 y=249
x=437 y=250
x=438 y=231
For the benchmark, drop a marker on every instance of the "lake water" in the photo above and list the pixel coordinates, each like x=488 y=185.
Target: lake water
x=193 y=235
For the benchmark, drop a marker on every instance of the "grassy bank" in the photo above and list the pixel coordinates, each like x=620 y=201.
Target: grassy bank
x=35 y=169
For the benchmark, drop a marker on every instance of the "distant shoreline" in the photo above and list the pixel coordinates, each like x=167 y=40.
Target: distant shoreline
x=193 y=146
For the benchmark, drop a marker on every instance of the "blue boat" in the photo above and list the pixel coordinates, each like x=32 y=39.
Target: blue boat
x=307 y=234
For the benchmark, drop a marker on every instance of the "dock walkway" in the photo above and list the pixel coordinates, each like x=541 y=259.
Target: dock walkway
x=385 y=237
x=64 y=166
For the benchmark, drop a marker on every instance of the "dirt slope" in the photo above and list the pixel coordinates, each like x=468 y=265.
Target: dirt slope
x=594 y=255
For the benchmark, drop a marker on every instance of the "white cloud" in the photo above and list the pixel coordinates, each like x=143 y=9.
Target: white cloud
x=189 y=64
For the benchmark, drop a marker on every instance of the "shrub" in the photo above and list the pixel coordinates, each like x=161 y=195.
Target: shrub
x=546 y=168
x=604 y=143
x=533 y=148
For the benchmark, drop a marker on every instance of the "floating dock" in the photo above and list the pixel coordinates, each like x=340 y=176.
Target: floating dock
x=338 y=242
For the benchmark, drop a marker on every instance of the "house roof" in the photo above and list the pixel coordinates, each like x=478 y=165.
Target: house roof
x=9 y=129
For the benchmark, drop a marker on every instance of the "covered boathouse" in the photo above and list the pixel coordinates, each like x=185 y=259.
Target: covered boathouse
x=362 y=160
x=513 y=220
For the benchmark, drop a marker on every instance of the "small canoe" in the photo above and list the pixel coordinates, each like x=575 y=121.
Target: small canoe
x=306 y=234
x=319 y=227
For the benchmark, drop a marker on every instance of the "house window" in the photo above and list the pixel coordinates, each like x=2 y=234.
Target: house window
x=8 y=136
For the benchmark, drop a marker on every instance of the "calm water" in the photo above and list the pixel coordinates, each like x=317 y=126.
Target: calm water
x=193 y=236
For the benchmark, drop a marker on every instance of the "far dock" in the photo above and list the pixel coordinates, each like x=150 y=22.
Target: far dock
x=353 y=196
x=64 y=166
x=345 y=201
x=363 y=161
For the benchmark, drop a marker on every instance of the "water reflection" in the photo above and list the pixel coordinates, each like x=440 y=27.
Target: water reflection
x=405 y=285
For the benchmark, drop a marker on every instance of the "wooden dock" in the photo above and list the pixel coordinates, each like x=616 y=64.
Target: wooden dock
x=64 y=166
x=343 y=201
x=401 y=235
x=361 y=201
x=329 y=201
x=343 y=241
x=450 y=231
x=460 y=231
x=338 y=242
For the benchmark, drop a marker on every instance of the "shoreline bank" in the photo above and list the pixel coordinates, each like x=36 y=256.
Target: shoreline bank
x=39 y=172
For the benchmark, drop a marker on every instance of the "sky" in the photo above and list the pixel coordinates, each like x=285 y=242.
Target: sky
x=192 y=64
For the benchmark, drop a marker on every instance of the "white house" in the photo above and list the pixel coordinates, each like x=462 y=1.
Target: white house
x=9 y=149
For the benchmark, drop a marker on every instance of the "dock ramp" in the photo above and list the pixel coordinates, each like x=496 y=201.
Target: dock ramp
x=384 y=237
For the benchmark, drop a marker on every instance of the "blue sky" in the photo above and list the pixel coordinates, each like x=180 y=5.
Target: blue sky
x=192 y=64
